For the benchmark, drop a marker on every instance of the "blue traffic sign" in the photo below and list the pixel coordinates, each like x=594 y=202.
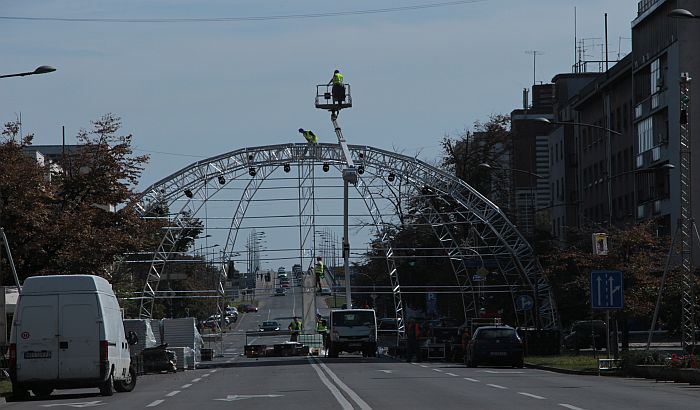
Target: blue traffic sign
x=606 y=289
x=524 y=302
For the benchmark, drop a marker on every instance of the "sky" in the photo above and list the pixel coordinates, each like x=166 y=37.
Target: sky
x=188 y=91
x=191 y=90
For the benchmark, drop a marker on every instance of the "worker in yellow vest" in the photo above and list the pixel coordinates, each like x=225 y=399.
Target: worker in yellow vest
x=295 y=327
x=338 y=90
x=319 y=271
x=309 y=136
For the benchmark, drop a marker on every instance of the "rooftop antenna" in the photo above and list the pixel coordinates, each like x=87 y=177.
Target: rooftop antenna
x=575 y=41
x=534 y=54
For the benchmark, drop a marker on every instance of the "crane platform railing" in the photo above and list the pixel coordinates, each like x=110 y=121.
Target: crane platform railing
x=324 y=98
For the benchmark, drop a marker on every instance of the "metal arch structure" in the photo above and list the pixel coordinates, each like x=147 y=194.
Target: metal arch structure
x=512 y=252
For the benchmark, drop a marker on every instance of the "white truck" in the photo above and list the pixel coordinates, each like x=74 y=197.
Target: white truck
x=353 y=330
x=68 y=332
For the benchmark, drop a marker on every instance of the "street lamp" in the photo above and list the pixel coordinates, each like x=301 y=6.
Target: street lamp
x=532 y=193
x=682 y=14
x=608 y=153
x=43 y=69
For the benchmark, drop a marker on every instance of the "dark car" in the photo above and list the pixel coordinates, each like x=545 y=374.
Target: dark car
x=249 y=308
x=499 y=345
x=280 y=292
x=269 y=326
x=585 y=334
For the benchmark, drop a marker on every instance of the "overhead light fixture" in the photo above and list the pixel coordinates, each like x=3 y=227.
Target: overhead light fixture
x=326 y=167
x=250 y=157
x=361 y=169
x=252 y=171
x=362 y=155
x=222 y=180
x=287 y=168
x=188 y=193
x=391 y=177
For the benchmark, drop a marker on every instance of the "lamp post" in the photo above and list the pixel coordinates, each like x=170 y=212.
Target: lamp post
x=43 y=69
x=608 y=153
x=532 y=191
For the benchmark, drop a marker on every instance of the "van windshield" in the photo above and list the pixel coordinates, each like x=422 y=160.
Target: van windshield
x=353 y=319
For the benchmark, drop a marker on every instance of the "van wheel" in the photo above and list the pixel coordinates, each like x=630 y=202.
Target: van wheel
x=128 y=384
x=107 y=388
x=42 y=392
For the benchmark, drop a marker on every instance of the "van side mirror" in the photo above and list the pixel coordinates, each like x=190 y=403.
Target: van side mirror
x=131 y=338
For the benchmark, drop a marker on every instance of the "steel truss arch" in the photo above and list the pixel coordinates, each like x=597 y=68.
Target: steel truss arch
x=513 y=254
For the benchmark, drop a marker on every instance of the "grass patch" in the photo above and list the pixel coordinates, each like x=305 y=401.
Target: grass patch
x=582 y=361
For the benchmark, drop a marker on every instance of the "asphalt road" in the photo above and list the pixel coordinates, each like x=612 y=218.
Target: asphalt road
x=353 y=382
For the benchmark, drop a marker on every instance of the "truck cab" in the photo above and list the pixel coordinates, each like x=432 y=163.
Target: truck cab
x=353 y=330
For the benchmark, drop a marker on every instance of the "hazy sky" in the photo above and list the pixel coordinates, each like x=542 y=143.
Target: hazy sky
x=187 y=91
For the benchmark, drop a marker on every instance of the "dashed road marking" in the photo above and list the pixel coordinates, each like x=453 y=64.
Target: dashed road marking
x=438 y=370
x=569 y=406
x=206 y=375
x=471 y=380
x=184 y=386
x=423 y=366
x=196 y=380
x=213 y=371
x=451 y=374
x=172 y=393
x=534 y=396
x=155 y=403
x=498 y=386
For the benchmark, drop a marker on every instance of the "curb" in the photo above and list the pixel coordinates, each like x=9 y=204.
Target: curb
x=569 y=371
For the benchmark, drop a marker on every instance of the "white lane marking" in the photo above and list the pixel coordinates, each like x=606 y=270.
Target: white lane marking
x=77 y=405
x=386 y=371
x=172 y=393
x=155 y=403
x=498 y=386
x=196 y=380
x=503 y=372
x=344 y=403
x=438 y=370
x=569 y=406
x=534 y=396
x=451 y=374
x=247 y=396
x=185 y=386
x=213 y=371
x=206 y=375
x=471 y=380
x=363 y=405
x=423 y=366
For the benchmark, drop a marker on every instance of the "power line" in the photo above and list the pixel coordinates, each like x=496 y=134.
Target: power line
x=246 y=18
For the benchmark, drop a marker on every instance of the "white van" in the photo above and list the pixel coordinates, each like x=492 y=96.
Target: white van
x=353 y=330
x=68 y=332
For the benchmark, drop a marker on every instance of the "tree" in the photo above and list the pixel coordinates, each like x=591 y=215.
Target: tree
x=79 y=217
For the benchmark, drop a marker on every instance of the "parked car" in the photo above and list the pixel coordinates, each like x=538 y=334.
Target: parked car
x=280 y=292
x=585 y=334
x=249 y=308
x=499 y=345
x=269 y=326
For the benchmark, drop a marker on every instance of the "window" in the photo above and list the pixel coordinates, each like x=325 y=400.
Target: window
x=645 y=134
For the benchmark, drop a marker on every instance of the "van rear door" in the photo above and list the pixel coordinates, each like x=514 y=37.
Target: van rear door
x=79 y=340
x=36 y=336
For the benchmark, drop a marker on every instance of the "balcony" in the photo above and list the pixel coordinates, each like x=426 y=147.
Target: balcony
x=652 y=156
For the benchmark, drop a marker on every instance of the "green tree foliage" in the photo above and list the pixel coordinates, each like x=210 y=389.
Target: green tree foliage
x=635 y=250
x=76 y=218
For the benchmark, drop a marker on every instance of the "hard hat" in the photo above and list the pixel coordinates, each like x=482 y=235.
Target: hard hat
x=301 y=130
x=336 y=72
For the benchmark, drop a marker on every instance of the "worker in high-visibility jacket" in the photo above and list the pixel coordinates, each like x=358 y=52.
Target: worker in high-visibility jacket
x=295 y=327
x=322 y=329
x=338 y=90
x=309 y=136
x=319 y=271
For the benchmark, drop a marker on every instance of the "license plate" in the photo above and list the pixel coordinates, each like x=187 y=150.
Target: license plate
x=497 y=353
x=43 y=354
